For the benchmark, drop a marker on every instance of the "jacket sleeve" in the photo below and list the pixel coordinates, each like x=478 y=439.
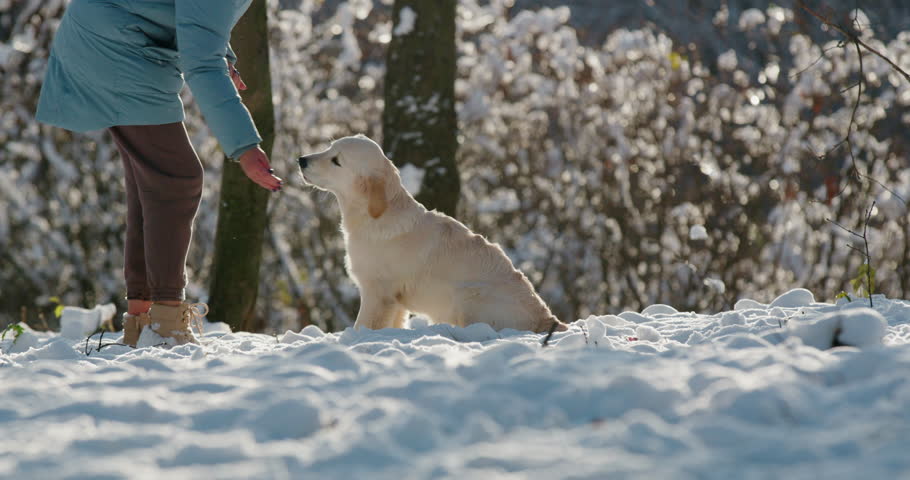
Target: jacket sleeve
x=230 y=55
x=203 y=32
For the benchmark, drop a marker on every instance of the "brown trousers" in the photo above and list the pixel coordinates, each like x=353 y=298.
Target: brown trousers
x=163 y=189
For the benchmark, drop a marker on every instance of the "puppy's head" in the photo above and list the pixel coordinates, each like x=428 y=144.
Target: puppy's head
x=354 y=169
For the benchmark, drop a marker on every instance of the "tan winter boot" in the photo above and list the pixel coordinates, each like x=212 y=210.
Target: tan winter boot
x=176 y=321
x=132 y=327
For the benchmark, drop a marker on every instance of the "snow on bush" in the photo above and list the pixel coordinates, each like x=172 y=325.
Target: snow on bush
x=698 y=232
x=751 y=18
x=589 y=162
x=405 y=22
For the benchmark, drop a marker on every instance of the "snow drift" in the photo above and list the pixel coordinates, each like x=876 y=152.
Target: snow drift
x=653 y=394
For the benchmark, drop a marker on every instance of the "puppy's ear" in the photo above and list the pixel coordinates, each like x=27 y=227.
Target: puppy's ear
x=374 y=188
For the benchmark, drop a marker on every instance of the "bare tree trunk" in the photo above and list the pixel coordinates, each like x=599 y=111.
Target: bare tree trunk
x=242 y=208
x=418 y=122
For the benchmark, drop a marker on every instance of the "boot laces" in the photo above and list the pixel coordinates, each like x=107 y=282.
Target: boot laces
x=194 y=313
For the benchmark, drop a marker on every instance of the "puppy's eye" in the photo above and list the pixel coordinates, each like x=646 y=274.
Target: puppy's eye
x=335 y=161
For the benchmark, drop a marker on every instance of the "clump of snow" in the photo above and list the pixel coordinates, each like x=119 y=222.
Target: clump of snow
x=21 y=342
x=746 y=304
x=647 y=333
x=216 y=327
x=658 y=309
x=860 y=21
x=291 y=337
x=312 y=331
x=477 y=332
x=501 y=200
x=856 y=327
x=727 y=60
x=149 y=338
x=52 y=348
x=419 y=321
x=717 y=286
x=798 y=297
x=308 y=333
x=633 y=317
x=732 y=318
x=77 y=322
x=412 y=178
x=406 y=21
x=698 y=232
x=750 y=19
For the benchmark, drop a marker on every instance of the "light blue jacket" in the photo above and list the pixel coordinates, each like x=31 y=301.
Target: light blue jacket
x=123 y=62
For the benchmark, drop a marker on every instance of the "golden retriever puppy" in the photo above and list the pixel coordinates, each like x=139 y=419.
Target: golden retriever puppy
x=404 y=258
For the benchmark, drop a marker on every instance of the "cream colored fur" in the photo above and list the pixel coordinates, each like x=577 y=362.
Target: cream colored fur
x=404 y=258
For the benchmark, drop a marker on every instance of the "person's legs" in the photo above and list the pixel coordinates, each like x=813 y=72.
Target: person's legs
x=138 y=294
x=168 y=178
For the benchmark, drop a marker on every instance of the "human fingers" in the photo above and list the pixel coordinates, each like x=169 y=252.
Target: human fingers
x=266 y=173
x=238 y=82
x=235 y=77
x=264 y=164
x=261 y=177
x=255 y=166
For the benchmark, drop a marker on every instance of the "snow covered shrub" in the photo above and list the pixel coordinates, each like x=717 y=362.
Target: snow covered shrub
x=617 y=174
x=614 y=152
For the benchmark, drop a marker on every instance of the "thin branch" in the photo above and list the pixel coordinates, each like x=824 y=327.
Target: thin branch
x=892 y=192
x=88 y=351
x=844 y=228
x=868 y=256
x=859 y=95
x=850 y=87
x=825 y=51
x=855 y=39
x=546 y=340
x=883 y=57
x=859 y=44
x=857 y=250
x=854 y=169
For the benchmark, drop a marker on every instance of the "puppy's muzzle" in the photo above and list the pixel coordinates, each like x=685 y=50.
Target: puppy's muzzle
x=302 y=161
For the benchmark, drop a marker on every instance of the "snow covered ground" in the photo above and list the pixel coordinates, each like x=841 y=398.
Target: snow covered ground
x=658 y=394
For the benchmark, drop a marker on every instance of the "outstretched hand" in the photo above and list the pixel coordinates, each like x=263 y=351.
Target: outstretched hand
x=235 y=77
x=255 y=164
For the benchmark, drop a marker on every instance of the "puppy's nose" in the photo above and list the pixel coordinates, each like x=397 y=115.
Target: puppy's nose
x=302 y=161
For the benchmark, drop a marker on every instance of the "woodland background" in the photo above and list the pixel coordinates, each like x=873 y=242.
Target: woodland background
x=591 y=139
